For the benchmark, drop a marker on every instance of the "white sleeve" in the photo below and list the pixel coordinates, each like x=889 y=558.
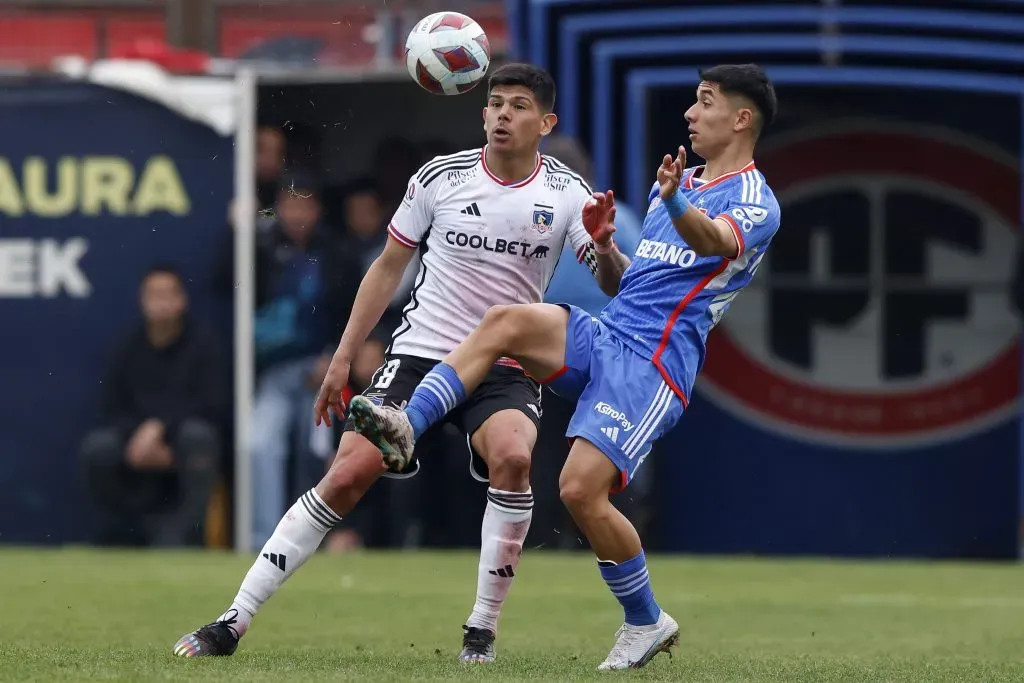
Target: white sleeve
x=578 y=236
x=415 y=214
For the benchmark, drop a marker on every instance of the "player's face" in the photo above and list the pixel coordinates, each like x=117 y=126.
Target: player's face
x=163 y=299
x=513 y=120
x=714 y=120
x=269 y=154
x=363 y=214
x=298 y=213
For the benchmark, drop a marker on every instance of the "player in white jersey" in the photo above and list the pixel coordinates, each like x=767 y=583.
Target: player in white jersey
x=484 y=240
x=490 y=225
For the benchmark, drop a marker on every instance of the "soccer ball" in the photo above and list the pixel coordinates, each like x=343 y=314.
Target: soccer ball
x=447 y=53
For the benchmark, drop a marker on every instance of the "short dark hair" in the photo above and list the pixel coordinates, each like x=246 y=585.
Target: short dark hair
x=301 y=182
x=534 y=78
x=164 y=269
x=363 y=185
x=749 y=81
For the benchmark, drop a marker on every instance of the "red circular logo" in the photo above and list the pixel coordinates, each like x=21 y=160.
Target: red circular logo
x=821 y=350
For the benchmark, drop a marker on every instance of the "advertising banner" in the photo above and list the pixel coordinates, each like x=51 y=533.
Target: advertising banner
x=860 y=398
x=96 y=187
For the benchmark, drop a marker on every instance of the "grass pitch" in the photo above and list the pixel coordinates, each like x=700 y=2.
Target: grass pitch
x=83 y=615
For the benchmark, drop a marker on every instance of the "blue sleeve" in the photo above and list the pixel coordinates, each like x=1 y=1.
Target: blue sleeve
x=753 y=220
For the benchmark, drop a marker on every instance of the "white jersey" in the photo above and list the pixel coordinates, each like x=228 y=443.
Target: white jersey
x=482 y=243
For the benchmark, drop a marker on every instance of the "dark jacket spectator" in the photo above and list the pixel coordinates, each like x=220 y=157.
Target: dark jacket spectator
x=174 y=383
x=306 y=283
x=151 y=466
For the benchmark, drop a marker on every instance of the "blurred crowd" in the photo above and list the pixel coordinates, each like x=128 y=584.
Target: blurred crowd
x=153 y=464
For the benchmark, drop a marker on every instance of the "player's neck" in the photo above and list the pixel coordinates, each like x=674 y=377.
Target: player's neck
x=510 y=168
x=164 y=333
x=730 y=161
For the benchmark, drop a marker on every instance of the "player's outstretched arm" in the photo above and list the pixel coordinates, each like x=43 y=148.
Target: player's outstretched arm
x=599 y=222
x=375 y=293
x=706 y=236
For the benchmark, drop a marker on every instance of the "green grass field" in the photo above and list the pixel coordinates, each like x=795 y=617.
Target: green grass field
x=83 y=615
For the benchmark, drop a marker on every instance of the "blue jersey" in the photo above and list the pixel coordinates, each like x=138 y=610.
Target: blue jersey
x=669 y=297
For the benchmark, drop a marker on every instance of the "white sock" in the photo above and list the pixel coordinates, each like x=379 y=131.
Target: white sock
x=506 y=522
x=296 y=538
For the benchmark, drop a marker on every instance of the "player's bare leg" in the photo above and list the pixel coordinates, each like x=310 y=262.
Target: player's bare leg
x=357 y=465
x=584 y=483
x=505 y=441
x=532 y=334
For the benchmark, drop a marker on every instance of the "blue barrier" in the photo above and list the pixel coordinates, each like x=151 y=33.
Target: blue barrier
x=99 y=186
x=641 y=80
x=606 y=51
x=686 y=19
x=538 y=23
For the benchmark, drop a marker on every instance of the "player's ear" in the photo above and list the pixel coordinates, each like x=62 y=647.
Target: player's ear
x=744 y=119
x=548 y=123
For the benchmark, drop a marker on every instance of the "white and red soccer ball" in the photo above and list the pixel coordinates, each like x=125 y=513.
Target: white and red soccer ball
x=447 y=53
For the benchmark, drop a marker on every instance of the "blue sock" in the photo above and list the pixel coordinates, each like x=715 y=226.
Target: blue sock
x=631 y=585
x=437 y=394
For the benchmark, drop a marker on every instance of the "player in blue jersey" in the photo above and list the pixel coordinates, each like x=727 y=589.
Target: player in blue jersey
x=633 y=368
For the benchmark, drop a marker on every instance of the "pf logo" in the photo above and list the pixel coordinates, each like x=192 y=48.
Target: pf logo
x=881 y=315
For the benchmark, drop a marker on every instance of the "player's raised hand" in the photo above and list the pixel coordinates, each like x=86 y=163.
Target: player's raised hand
x=599 y=216
x=670 y=173
x=329 y=397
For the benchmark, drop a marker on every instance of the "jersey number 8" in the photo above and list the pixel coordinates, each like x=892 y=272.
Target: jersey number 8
x=387 y=373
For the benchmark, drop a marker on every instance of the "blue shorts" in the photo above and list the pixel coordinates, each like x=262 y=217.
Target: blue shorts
x=623 y=403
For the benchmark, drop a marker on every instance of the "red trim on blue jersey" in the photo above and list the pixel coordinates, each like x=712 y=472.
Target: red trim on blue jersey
x=720 y=179
x=656 y=358
x=623 y=483
x=503 y=183
x=553 y=376
x=400 y=238
x=741 y=246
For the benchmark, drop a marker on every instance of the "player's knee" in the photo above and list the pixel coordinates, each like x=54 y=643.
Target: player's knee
x=508 y=467
x=503 y=322
x=575 y=493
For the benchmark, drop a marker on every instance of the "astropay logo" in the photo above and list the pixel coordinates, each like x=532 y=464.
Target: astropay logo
x=881 y=314
x=620 y=417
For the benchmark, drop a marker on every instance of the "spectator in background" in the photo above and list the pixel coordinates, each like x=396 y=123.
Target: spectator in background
x=394 y=161
x=271 y=149
x=151 y=467
x=366 y=234
x=306 y=283
x=364 y=237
